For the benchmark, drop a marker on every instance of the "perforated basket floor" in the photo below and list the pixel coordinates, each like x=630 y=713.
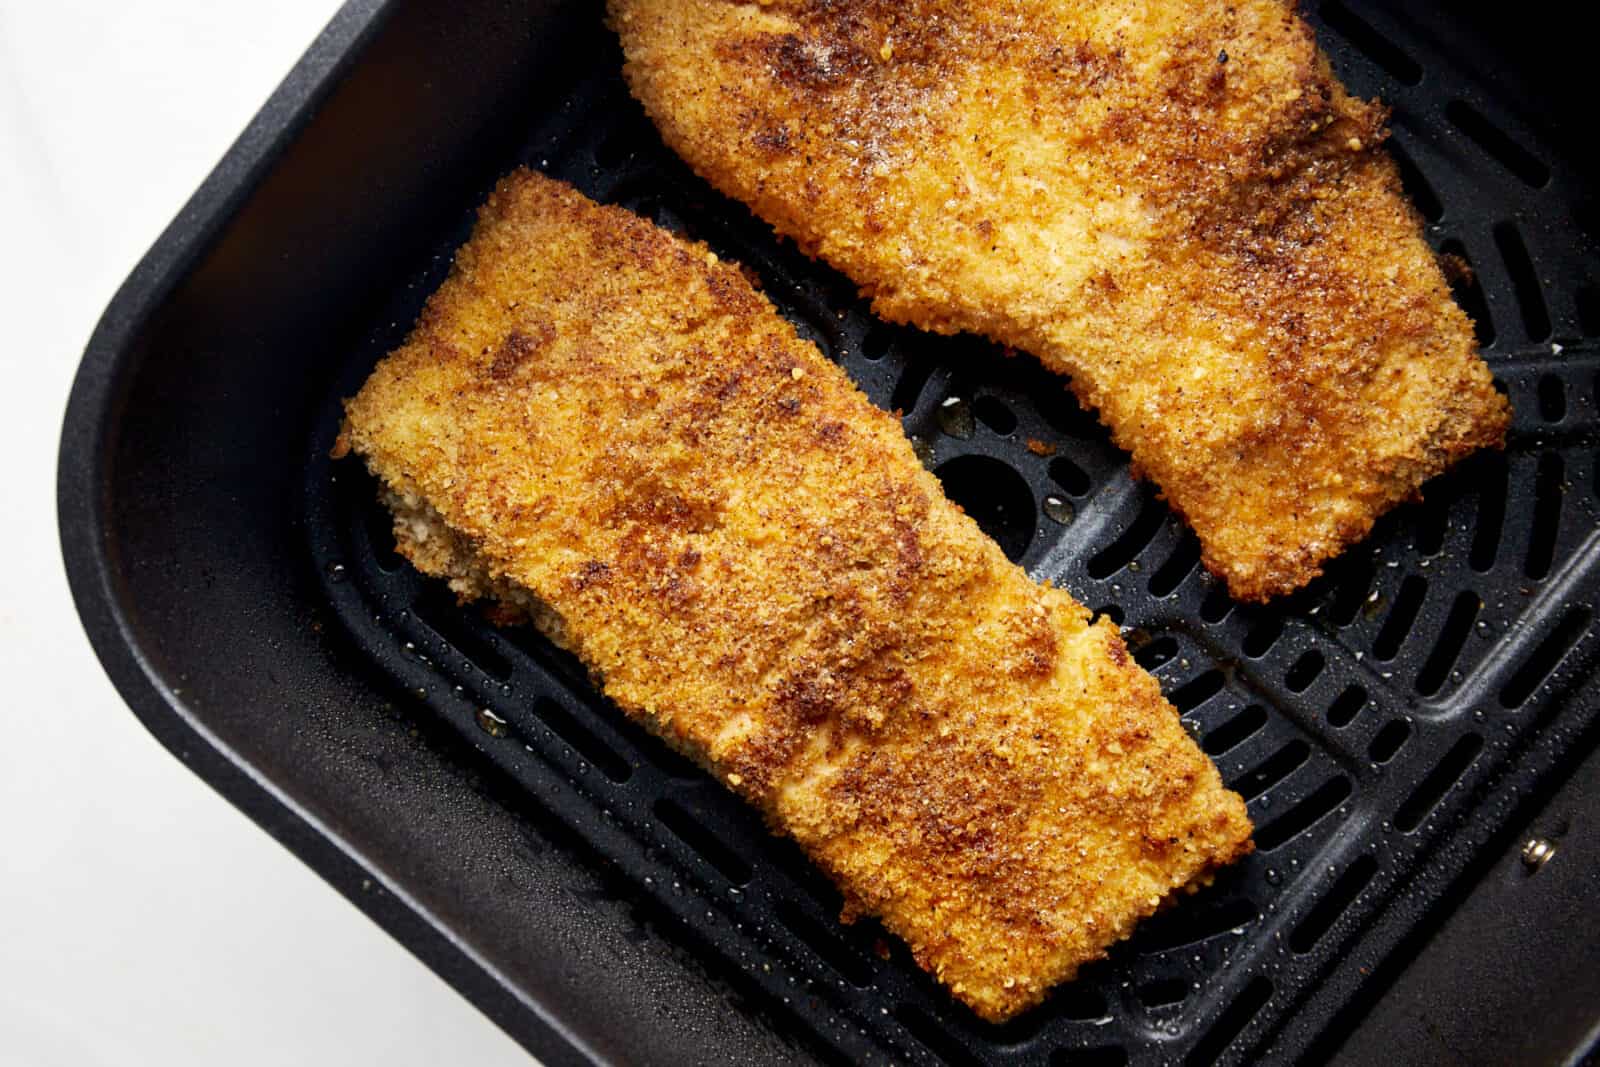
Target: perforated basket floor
x=1381 y=724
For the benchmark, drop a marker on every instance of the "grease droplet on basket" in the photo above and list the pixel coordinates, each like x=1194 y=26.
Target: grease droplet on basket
x=336 y=572
x=492 y=724
x=955 y=417
x=1059 y=509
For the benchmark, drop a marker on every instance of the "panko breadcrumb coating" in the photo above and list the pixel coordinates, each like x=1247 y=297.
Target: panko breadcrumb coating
x=1172 y=202
x=608 y=431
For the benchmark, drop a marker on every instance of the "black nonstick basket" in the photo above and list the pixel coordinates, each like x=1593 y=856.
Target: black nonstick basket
x=1396 y=727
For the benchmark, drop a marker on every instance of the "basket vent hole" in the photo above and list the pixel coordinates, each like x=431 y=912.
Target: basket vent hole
x=1016 y=1032
x=826 y=943
x=1524 y=281
x=1109 y=611
x=1236 y=730
x=1130 y=542
x=1371 y=43
x=1468 y=290
x=877 y=342
x=1416 y=183
x=1305 y=671
x=1588 y=299
x=1073 y=479
x=584 y=742
x=1262 y=636
x=1063 y=412
x=1552 y=398
x=706 y=842
x=1272 y=770
x=1402 y=616
x=1217 y=604
x=996 y=497
x=994 y=414
x=1446 y=773
x=1231 y=1023
x=1491 y=513
x=1543 y=661
x=1351 y=582
x=1546 y=516
x=1178 y=566
x=671 y=762
x=1497 y=143
x=939 y=1041
x=1389 y=741
x=1157 y=653
x=547 y=657
x=1321 y=918
x=1161 y=993
x=1190 y=925
x=1304 y=815
x=1347 y=705
x=1452 y=639
x=1432 y=518
x=1193 y=693
x=1080 y=1003
x=441 y=615
x=913 y=380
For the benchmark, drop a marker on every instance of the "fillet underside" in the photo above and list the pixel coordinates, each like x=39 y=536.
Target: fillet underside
x=1174 y=203
x=601 y=428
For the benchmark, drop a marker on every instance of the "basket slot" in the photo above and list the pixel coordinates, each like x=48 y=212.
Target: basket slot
x=1304 y=937
x=1451 y=640
x=1387 y=742
x=1524 y=281
x=1371 y=42
x=1304 y=815
x=1251 y=999
x=1446 y=773
x=1546 y=657
x=1500 y=146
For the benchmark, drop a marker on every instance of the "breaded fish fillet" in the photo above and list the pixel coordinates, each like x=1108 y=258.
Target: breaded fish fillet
x=605 y=429
x=1173 y=202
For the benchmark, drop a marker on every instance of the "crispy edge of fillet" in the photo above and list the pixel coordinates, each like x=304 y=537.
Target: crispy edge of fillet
x=604 y=429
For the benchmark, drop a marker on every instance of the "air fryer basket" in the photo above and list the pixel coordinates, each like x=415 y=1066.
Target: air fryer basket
x=1385 y=724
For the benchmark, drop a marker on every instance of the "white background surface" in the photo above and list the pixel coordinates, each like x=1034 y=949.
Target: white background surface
x=142 y=919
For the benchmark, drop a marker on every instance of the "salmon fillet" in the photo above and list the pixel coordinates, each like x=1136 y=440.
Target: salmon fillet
x=1172 y=202
x=605 y=430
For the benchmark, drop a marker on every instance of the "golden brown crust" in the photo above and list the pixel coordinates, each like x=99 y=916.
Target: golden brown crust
x=1174 y=203
x=614 y=432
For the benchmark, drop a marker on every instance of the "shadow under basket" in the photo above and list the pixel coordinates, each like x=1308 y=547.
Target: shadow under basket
x=1391 y=726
